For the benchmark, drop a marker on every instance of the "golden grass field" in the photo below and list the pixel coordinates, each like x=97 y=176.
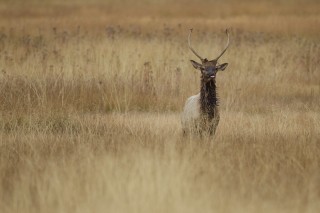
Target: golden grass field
x=91 y=95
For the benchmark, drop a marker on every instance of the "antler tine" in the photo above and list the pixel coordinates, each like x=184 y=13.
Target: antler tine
x=189 y=43
x=227 y=45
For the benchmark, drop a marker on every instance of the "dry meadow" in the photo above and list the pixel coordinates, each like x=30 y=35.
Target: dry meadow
x=91 y=94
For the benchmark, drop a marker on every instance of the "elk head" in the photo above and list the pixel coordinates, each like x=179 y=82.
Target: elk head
x=208 y=68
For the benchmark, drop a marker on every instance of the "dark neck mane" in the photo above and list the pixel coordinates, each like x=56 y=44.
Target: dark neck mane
x=208 y=98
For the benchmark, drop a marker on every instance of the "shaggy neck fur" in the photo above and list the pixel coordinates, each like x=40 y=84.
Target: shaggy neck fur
x=208 y=98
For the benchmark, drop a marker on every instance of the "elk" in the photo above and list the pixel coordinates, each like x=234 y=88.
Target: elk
x=201 y=114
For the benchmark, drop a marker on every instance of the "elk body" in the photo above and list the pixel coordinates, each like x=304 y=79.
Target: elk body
x=201 y=114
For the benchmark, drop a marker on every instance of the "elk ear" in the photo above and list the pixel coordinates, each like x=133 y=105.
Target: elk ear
x=222 y=66
x=196 y=64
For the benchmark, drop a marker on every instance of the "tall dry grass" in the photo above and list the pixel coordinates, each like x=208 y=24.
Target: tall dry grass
x=90 y=103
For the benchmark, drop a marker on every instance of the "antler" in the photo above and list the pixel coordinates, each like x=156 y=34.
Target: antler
x=227 y=32
x=189 y=43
